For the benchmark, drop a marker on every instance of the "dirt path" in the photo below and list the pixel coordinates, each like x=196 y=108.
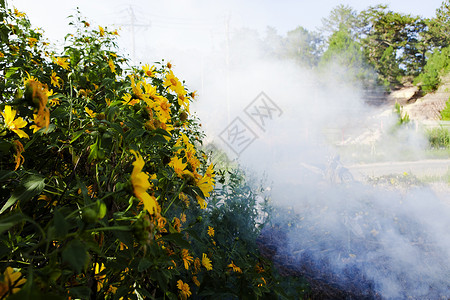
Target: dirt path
x=421 y=168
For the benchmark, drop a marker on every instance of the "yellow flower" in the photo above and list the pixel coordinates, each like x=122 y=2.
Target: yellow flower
x=178 y=166
x=168 y=128
x=234 y=267
x=32 y=41
x=14 y=125
x=197 y=265
x=163 y=110
x=162 y=224
x=140 y=183
x=102 y=31
x=112 y=66
x=206 y=262
x=18 y=13
x=205 y=185
x=171 y=82
x=36 y=127
x=209 y=174
x=195 y=281
x=115 y=32
x=2 y=55
x=258 y=268
x=184 y=198
x=210 y=231
x=183 y=217
x=151 y=94
x=61 y=61
x=263 y=282
x=185 y=291
x=128 y=100
x=136 y=88
x=187 y=259
x=90 y=112
x=54 y=101
x=150 y=72
x=54 y=80
x=183 y=101
x=100 y=278
x=176 y=224
x=174 y=265
x=108 y=101
x=18 y=157
x=39 y=95
x=10 y=282
x=48 y=199
x=201 y=202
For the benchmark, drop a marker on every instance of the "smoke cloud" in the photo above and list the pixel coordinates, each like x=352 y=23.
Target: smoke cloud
x=372 y=241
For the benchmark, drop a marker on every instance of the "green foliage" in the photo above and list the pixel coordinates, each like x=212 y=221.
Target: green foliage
x=394 y=39
x=103 y=183
x=389 y=67
x=347 y=54
x=439 y=26
x=402 y=118
x=437 y=65
x=439 y=137
x=445 y=113
x=341 y=17
x=302 y=46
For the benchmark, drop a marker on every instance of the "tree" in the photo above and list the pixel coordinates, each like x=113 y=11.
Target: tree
x=439 y=26
x=303 y=46
x=381 y=29
x=344 y=51
x=340 y=16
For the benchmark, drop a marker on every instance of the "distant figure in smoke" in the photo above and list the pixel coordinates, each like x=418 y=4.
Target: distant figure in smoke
x=331 y=172
x=335 y=172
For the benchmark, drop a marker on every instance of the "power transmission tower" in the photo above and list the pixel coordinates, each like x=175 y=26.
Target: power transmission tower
x=133 y=25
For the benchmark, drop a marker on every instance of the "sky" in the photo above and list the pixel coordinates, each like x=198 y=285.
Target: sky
x=197 y=23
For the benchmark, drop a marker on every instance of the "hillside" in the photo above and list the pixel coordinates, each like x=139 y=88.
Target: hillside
x=426 y=108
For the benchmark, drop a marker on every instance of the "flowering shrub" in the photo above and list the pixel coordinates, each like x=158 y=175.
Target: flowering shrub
x=103 y=186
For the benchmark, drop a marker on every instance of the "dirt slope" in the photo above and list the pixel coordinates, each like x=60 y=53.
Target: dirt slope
x=426 y=108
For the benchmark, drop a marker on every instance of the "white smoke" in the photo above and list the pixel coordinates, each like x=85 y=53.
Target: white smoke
x=381 y=241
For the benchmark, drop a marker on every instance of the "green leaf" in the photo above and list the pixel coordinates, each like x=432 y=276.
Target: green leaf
x=31 y=186
x=5 y=146
x=93 y=154
x=178 y=239
x=10 y=72
x=144 y=264
x=61 y=226
x=76 y=135
x=101 y=209
x=80 y=292
x=145 y=293
x=193 y=234
x=75 y=255
x=5 y=174
x=10 y=221
x=124 y=237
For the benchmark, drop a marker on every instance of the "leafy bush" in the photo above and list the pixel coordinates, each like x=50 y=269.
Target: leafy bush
x=103 y=185
x=437 y=65
x=439 y=137
x=402 y=118
x=445 y=113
